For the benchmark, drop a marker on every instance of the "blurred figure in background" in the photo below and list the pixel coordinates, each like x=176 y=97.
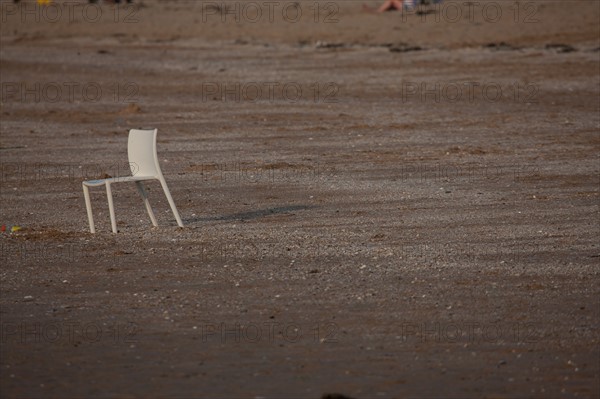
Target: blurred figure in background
x=391 y=5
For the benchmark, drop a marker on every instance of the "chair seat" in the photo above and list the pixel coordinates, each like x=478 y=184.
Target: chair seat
x=96 y=183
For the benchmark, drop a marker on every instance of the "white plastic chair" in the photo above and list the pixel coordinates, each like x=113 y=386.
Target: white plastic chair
x=143 y=162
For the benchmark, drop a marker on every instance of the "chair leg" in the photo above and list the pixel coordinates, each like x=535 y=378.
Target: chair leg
x=171 y=202
x=88 y=206
x=140 y=187
x=111 y=208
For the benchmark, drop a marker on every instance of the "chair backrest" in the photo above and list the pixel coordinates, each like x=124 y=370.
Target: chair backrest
x=141 y=151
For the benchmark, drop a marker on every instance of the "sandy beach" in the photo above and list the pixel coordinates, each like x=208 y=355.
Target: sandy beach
x=395 y=205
